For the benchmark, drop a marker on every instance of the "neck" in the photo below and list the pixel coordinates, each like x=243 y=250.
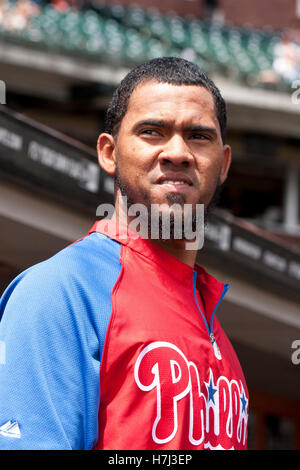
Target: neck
x=176 y=248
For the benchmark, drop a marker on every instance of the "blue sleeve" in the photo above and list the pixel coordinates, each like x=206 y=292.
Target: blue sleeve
x=51 y=336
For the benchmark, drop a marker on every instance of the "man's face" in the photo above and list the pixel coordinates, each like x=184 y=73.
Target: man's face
x=169 y=147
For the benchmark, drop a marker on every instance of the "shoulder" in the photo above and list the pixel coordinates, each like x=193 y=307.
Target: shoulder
x=94 y=252
x=68 y=280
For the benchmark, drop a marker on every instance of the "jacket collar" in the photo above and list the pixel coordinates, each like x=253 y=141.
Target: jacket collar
x=209 y=288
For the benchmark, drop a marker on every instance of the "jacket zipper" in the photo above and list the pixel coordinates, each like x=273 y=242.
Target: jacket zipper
x=210 y=327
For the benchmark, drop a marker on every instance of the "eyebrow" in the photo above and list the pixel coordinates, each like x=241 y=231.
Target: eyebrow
x=161 y=123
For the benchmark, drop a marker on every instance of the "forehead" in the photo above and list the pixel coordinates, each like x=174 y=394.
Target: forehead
x=177 y=103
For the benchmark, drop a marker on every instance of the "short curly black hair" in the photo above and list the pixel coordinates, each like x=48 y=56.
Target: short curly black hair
x=172 y=70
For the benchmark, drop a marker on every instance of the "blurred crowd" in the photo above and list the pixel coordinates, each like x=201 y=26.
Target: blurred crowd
x=286 y=63
x=287 y=57
x=16 y=14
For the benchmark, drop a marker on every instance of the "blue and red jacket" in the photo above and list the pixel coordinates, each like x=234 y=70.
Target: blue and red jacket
x=114 y=344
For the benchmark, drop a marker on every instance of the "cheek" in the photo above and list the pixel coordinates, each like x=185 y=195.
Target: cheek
x=209 y=169
x=133 y=159
x=127 y=161
x=209 y=176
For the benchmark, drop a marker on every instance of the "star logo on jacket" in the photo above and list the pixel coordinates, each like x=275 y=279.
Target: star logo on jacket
x=211 y=388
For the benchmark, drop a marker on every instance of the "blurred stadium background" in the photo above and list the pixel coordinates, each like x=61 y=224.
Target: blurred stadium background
x=60 y=60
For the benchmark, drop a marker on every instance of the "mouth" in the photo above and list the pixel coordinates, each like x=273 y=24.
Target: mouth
x=175 y=182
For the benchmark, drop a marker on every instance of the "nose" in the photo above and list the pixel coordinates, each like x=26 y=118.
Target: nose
x=176 y=151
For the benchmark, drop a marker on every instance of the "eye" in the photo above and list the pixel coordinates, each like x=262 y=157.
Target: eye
x=150 y=132
x=200 y=136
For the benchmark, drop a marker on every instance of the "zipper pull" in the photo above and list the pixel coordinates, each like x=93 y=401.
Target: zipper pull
x=215 y=346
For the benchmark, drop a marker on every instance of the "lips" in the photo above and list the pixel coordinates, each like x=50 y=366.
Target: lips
x=174 y=179
x=174 y=182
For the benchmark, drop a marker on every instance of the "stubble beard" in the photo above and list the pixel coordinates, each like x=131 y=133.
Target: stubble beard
x=128 y=191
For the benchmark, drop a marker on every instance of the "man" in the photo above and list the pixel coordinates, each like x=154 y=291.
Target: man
x=113 y=343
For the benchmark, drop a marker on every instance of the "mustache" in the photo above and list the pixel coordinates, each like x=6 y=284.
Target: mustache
x=172 y=198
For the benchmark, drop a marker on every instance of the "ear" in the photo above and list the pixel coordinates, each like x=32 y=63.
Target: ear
x=226 y=163
x=106 y=153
